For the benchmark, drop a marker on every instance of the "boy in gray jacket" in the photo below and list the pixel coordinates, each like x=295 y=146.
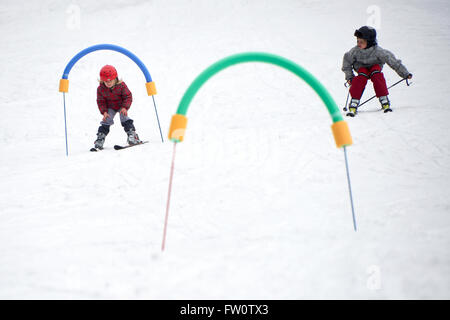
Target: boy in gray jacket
x=367 y=59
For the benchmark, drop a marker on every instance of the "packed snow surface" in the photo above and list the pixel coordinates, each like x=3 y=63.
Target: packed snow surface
x=260 y=206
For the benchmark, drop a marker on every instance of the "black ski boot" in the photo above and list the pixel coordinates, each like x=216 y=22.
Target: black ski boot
x=133 y=137
x=353 y=108
x=129 y=128
x=98 y=144
x=385 y=104
x=103 y=131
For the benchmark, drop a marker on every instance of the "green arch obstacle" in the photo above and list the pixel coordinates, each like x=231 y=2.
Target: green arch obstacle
x=340 y=128
x=178 y=124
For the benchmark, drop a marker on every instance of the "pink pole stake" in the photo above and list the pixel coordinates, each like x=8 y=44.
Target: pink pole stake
x=168 y=198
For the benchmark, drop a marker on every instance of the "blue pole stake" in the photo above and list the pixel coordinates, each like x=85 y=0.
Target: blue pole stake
x=350 y=188
x=157 y=118
x=65 y=123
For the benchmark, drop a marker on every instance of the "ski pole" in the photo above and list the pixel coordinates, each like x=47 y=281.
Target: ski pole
x=346 y=101
x=407 y=83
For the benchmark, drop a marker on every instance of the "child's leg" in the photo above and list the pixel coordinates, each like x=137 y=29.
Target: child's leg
x=129 y=128
x=103 y=130
x=110 y=120
x=379 y=82
x=359 y=83
x=127 y=123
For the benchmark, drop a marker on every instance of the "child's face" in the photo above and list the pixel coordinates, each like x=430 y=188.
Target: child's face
x=110 y=83
x=361 y=43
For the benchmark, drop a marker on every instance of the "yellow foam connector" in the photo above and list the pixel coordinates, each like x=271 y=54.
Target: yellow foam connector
x=341 y=134
x=177 y=127
x=151 y=88
x=64 y=85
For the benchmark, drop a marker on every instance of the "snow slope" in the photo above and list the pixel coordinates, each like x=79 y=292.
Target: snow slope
x=260 y=206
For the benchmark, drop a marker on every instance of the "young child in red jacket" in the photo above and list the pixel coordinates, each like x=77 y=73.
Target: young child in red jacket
x=114 y=96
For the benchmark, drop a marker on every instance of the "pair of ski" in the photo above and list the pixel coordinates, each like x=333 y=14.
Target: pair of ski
x=119 y=147
x=351 y=114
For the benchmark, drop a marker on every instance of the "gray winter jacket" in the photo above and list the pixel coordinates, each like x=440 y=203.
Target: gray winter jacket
x=357 y=58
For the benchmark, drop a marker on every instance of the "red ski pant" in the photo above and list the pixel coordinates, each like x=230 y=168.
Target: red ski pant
x=364 y=74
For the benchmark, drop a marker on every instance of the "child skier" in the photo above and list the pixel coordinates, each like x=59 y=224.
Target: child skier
x=114 y=96
x=367 y=59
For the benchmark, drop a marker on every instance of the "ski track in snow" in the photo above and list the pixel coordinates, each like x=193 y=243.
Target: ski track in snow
x=260 y=206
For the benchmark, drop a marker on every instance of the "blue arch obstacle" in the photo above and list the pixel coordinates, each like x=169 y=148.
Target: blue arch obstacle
x=64 y=82
x=113 y=47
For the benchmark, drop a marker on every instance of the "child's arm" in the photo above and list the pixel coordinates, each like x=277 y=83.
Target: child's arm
x=127 y=97
x=396 y=64
x=347 y=65
x=101 y=101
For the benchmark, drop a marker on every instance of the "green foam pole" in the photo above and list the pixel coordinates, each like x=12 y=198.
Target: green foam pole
x=260 y=57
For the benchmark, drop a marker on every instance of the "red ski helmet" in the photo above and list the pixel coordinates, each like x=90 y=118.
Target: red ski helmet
x=108 y=73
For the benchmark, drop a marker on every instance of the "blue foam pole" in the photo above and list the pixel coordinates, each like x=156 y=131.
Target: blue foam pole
x=157 y=118
x=65 y=123
x=350 y=188
x=113 y=47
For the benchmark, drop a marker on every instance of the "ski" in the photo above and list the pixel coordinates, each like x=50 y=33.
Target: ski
x=351 y=114
x=118 y=147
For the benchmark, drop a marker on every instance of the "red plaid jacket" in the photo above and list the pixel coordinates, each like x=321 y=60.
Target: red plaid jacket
x=115 y=98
